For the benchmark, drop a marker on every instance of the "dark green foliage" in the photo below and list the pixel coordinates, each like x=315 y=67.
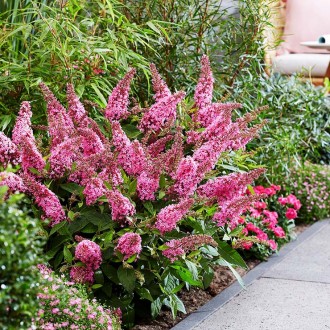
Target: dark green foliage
x=88 y=43
x=19 y=254
x=298 y=125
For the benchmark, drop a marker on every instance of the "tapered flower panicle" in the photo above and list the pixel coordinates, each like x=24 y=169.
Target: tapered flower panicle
x=161 y=113
x=129 y=244
x=218 y=128
x=94 y=189
x=8 y=151
x=170 y=215
x=158 y=84
x=91 y=142
x=121 y=207
x=45 y=199
x=22 y=128
x=119 y=138
x=60 y=124
x=207 y=115
x=178 y=247
x=204 y=88
x=227 y=187
x=186 y=177
x=157 y=147
x=118 y=100
x=63 y=156
x=132 y=159
x=131 y=155
x=31 y=157
x=232 y=210
x=148 y=183
x=76 y=109
x=12 y=181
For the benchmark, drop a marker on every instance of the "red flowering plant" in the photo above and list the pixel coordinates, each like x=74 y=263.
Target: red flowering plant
x=136 y=208
x=266 y=224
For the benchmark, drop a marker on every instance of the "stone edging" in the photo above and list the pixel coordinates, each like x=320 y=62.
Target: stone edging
x=198 y=316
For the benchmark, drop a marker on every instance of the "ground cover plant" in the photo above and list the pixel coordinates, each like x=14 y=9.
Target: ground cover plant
x=66 y=305
x=136 y=219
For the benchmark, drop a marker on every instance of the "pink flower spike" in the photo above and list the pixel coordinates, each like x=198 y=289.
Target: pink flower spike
x=168 y=217
x=31 y=157
x=9 y=153
x=45 y=199
x=94 y=189
x=12 y=181
x=118 y=100
x=186 y=177
x=147 y=184
x=158 y=84
x=22 y=128
x=76 y=111
x=204 y=88
x=129 y=244
x=120 y=205
x=161 y=113
x=60 y=124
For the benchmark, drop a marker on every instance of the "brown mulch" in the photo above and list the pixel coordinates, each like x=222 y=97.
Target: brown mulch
x=195 y=298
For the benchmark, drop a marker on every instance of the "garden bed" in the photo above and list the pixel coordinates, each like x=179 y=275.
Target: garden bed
x=195 y=298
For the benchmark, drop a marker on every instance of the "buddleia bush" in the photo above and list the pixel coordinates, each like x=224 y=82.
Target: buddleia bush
x=142 y=206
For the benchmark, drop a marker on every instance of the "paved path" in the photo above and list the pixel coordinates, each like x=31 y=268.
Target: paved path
x=289 y=292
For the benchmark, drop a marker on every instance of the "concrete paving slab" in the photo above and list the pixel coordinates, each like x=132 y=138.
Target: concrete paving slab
x=317 y=239
x=309 y=261
x=274 y=304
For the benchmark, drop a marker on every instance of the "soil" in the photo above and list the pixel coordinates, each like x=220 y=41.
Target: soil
x=195 y=298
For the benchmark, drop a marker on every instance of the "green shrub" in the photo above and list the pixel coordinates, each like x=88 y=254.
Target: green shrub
x=85 y=42
x=311 y=185
x=19 y=254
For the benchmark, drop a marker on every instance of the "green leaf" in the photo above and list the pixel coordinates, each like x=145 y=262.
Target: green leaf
x=144 y=293
x=132 y=187
x=224 y=262
x=208 y=277
x=127 y=278
x=187 y=276
x=71 y=215
x=149 y=207
x=230 y=254
x=111 y=273
x=156 y=306
x=72 y=188
x=131 y=131
x=67 y=255
x=97 y=286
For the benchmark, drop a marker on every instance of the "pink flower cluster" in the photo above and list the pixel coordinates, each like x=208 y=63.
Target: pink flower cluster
x=121 y=206
x=178 y=247
x=90 y=254
x=129 y=244
x=291 y=213
x=169 y=216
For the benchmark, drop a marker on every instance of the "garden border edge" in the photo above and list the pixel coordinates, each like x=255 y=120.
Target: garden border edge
x=198 y=316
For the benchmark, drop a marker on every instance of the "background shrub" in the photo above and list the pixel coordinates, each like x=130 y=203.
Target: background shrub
x=312 y=186
x=21 y=248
